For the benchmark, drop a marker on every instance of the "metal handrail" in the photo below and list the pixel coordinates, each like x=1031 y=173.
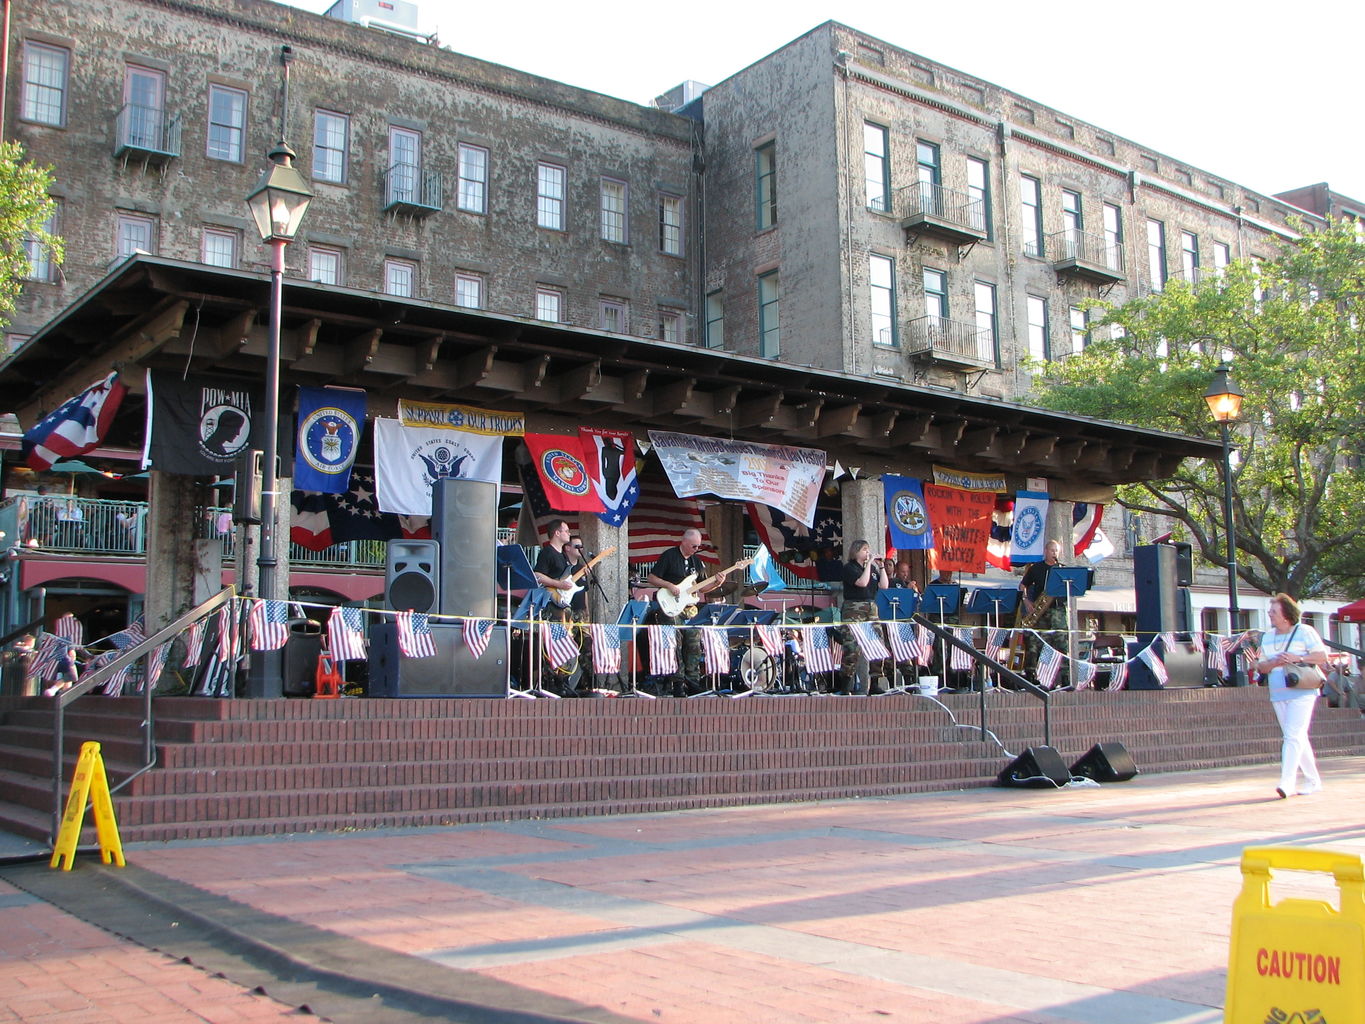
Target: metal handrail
x=101 y=676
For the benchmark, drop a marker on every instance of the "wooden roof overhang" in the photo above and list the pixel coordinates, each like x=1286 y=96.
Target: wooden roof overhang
x=160 y=313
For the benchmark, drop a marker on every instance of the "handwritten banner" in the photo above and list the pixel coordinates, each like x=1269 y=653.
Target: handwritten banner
x=962 y=526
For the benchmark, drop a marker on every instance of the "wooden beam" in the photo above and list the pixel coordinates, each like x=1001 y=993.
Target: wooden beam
x=838 y=421
x=756 y=412
x=233 y=336
x=533 y=372
x=976 y=440
x=808 y=413
x=911 y=428
x=673 y=396
x=1037 y=448
x=360 y=352
x=428 y=352
x=581 y=381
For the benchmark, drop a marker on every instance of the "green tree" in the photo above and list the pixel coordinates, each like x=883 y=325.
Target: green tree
x=25 y=209
x=1292 y=328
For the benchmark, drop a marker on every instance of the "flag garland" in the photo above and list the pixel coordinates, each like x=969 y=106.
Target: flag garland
x=865 y=633
x=559 y=645
x=414 y=635
x=959 y=660
x=269 y=622
x=476 y=635
x=816 y=648
x=55 y=653
x=194 y=643
x=1153 y=661
x=606 y=648
x=770 y=639
x=345 y=638
x=904 y=641
x=1049 y=663
x=715 y=645
x=663 y=650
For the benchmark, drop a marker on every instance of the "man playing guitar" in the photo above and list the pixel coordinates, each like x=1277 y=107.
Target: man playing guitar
x=552 y=564
x=675 y=565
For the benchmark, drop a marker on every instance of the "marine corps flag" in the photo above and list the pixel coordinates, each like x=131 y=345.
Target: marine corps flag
x=199 y=426
x=558 y=459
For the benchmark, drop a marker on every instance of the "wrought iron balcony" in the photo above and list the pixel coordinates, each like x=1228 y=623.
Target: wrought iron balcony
x=932 y=209
x=1085 y=255
x=949 y=341
x=411 y=191
x=146 y=133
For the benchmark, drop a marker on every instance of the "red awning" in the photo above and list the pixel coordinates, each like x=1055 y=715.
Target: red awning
x=1353 y=612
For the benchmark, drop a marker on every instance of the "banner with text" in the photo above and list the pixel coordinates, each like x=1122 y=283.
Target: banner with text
x=962 y=526
x=969 y=481
x=460 y=417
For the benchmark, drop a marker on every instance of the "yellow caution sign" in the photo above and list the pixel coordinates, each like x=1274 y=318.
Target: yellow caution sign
x=1299 y=960
x=88 y=784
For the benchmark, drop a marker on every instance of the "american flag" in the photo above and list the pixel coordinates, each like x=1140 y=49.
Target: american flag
x=1085 y=674
x=1215 y=658
x=68 y=627
x=559 y=645
x=663 y=650
x=52 y=658
x=113 y=686
x=606 y=648
x=1049 y=663
x=345 y=637
x=770 y=639
x=904 y=641
x=865 y=633
x=715 y=644
x=158 y=663
x=414 y=635
x=225 y=638
x=74 y=427
x=194 y=643
x=476 y=634
x=1197 y=641
x=130 y=636
x=658 y=521
x=1153 y=661
x=960 y=660
x=816 y=647
x=780 y=534
x=996 y=639
x=269 y=622
x=1118 y=676
x=926 y=644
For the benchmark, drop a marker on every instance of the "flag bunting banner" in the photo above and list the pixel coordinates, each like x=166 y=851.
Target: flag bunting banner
x=715 y=645
x=1085 y=520
x=865 y=634
x=663 y=650
x=269 y=621
x=75 y=427
x=476 y=635
x=414 y=635
x=816 y=648
x=606 y=648
x=345 y=635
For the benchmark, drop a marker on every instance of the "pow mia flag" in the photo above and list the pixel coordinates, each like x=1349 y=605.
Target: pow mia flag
x=200 y=426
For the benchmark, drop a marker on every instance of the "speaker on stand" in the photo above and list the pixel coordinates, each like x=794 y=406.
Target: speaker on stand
x=412 y=575
x=464 y=524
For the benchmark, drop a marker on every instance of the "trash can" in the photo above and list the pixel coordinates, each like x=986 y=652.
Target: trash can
x=301 y=657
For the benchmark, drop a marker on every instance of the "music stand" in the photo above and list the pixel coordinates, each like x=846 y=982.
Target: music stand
x=632 y=614
x=514 y=570
x=896 y=604
x=528 y=611
x=1069 y=582
x=993 y=602
x=942 y=600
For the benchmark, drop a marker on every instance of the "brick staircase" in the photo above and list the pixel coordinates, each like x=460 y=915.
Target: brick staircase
x=245 y=767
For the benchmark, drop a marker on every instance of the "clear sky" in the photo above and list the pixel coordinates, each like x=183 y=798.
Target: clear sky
x=1266 y=95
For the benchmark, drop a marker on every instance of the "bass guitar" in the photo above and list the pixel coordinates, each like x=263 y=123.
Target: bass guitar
x=564 y=597
x=689 y=590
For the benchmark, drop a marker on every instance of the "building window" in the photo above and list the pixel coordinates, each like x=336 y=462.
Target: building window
x=882 y=290
x=324 y=264
x=1222 y=257
x=929 y=174
x=613 y=208
x=44 y=90
x=765 y=184
x=1189 y=256
x=1113 y=237
x=400 y=278
x=979 y=191
x=227 y=123
x=670 y=326
x=134 y=234
x=1072 y=221
x=1080 y=329
x=550 y=305
x=1031 y=214
x=40 y=266
x=1156 y=254
x=613 y=316
x=987 y=323
x=405 y=165
x=473 y=171
x=876 y=167
x=936 y=293
x=769 y=296
x=715 y=319
x=219 y=247
x=331 y=143
x=1039 y=343
x=144 y=96
x=671 y=225
x=550 y=197
x=469 y=291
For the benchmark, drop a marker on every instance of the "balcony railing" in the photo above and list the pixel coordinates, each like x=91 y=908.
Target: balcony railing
x=410 y=190
x=146 y=132
x=950 y=341
x=937 y=210
x=1088 y=255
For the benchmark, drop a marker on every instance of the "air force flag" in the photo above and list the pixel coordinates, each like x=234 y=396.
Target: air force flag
x=330 y=420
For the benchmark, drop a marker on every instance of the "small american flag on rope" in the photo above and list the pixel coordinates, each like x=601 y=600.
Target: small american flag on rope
x=715 y=645
x=996 y=639
x=663 y=650
x=606 y=648
x=225 y=644
x=269 y=622
x=345 y=638
x=926 y=644
x=770 y=638
x=414 y=635
x=194 y=643
x=68 y=627
x=53 y=652
x=1197 y=641
x=1085 y=674
x=865 y=633
x=1215 y=658
x=476 y=635
x=960 y=660
x=904 y=641
x=1049 y=663
x=1118 y=676
x=559 y=645
x=816 y=648
x=1153 y=661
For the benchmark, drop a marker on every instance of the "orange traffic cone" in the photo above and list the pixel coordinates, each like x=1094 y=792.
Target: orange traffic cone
x=327 y=680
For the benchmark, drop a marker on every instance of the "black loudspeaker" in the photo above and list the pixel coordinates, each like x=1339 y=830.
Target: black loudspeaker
x=1163 y=603
x=452 y=672
x=1184 y=565
x=1035 y=767
x=464 y=522
x=412 y=575
x=301 y=663
x=1106 y=762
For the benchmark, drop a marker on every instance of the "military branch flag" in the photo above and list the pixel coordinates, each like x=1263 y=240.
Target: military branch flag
x=414 y=636
x=907 y=515
x=329 y=425
x=408 y=460
x=558 y=461
x=200 y=426
x=1029 y=532
x=345 y=638
x=476 y=635
x=76 y=426
x=610 y=458
x=606 y=648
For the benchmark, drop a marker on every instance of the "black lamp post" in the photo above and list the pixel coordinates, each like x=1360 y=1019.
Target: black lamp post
x=1225 y=402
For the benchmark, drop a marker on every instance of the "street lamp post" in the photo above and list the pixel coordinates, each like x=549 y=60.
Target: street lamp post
x=1225 y=402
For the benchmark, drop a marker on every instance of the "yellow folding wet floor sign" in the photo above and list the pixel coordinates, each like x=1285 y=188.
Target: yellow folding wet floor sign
x=1298 y=961
x=88 y=784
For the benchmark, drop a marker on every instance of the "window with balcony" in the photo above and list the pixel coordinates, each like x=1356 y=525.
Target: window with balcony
x=979 y=195
x=550 y=180
x=143 y=124
x=219 y=247
x=331 y=145
x=1113 y=237
x=1031 y=214
x=987 y=321
x=671 y=225
x=765 y=184
x=715 y=319
x=326 y=265
x=882 y=295
x=613 y=206
x=929 y=174
x=134 y=233
x=400 y=278
x=876 y=167
x=550 y=305
x=1039 y=343
x=1156 y=254
x=469 y=291
x=405 y=164
x=613 y=316
x=473 y=170
x=1072 y=222
x=769 y=300
x=43 y=95
x=227 y=123
x=670 y=326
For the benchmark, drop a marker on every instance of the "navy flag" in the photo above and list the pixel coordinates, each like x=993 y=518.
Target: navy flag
x=329 y=424
x=200 y=426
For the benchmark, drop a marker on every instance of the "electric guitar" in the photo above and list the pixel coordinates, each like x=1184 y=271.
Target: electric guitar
x=689 y=590
x=563 y=598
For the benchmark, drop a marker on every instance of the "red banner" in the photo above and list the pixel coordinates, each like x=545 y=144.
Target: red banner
x=558 y=459
x=962 y=526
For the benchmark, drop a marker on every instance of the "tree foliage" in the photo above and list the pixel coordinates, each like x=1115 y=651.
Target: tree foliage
x=25 y=209
x=1292 y=329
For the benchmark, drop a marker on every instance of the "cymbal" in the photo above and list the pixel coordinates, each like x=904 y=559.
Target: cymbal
x=753 y=589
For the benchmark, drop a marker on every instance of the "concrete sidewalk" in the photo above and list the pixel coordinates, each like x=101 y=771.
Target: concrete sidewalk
x=1107 y=905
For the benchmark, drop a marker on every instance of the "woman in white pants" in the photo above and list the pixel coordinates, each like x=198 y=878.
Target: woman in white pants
x=1288 y=643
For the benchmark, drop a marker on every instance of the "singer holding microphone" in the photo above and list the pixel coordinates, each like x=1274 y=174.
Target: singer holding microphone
x=863 y=577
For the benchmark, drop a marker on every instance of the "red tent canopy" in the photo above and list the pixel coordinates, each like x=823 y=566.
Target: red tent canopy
x=1353 y=612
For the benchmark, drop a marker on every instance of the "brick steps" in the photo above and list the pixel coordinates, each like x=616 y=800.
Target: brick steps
x=253 y=767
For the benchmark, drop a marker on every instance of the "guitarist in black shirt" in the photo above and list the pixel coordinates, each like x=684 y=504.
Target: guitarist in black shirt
x=674 y=566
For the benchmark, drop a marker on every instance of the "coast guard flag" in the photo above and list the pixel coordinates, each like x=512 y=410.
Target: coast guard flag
x=408 y=460
x=74 y=427
x=907 y=515
x=330 y=420
x=610 y=458
x=1030 y=527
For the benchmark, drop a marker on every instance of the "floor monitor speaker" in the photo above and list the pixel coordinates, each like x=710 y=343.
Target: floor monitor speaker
x=453 y=672
x=412 y=575
x=1036 y=767
x=1106 y=762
